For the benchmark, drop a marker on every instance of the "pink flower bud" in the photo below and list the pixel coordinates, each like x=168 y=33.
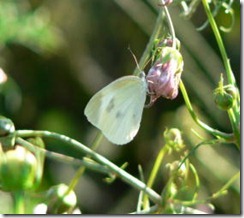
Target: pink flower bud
x=164 y=76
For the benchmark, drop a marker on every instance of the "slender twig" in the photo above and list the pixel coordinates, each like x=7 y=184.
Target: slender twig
x=234 y=119
x=220 y=192
x=230 y=76
x=215 y=132
x=170 y=25
x=157 y=28
x=18 y=202
x=150 y=210
x=154 y=173
x=134 y=182
x=82 y=169
x=88 y=163
x=233 y=113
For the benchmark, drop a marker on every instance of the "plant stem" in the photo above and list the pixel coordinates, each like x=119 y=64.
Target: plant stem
x=226 y=186
x=147 y=51
x=235 y=126
x=233 y=113
x=215 y=195
x=154 y=173
x=230 y=76
x=151 y=210
x=82 y=169
x=217 y=133
x=171 y=26
x=197 y=181
x=88 y=163
x=134 y=182
x=18 y=202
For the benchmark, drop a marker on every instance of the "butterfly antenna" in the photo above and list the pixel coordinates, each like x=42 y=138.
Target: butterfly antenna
x=134 y=57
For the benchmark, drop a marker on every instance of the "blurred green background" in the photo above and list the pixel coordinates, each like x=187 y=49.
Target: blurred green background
x=58 y=53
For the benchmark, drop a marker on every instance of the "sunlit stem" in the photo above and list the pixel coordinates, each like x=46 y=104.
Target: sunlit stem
x=197 y=181
x=88 y=163
x=217 y=133
x=171 y=26
x=156 y=31
x=226 y=185
x=222 y=191
x=82 y=169
x=235 y=126
x=233 y=113
x=134 y=182
x=18 y=202
x=154 y=172
x=230 y=76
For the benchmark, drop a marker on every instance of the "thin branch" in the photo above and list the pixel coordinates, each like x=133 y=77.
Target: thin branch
x=134 y=182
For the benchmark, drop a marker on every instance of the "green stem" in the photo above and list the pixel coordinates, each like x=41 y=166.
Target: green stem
x=158 y=26
x=150 y=44
x=226 y=186
x=154 y=173
x=233 y=114
x=230 y=76
x=235 y=126
x=171 y=26
x=134 y=182
x=97 y=140
x=18 y=202
x=82 y=169
x=88 y=163
x=156 y=166
x=151 y=210
x=217 y=133
x=197 y=181
x=215 y=195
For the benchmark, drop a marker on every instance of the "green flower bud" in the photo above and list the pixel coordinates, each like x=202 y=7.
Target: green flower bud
x=180 y=174
x=224 y=101
x=59 y=201
x=231 y=90
x=225 y=96
x=7 y=133
x=173 y=139
x=17 y=169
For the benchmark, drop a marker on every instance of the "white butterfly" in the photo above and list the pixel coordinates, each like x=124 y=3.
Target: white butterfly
x=117 y=108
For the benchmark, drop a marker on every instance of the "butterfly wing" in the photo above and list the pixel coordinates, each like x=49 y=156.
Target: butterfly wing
x=117 y=108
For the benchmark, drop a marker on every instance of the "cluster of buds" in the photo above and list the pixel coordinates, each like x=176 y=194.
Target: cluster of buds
x=20 y=168
x=59 y=199
x=173 y=139
x=164 y=76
